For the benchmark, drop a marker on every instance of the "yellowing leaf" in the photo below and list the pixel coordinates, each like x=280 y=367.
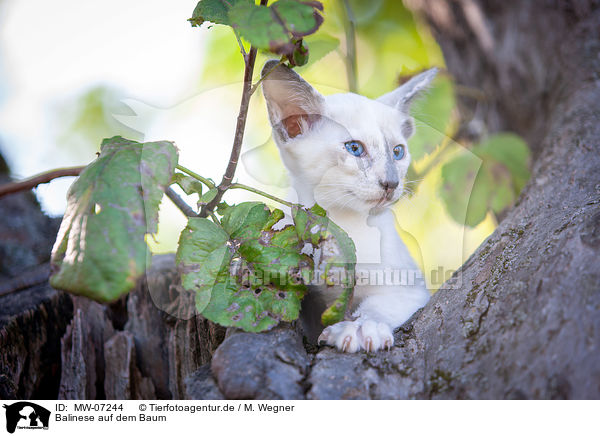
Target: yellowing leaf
x=100 y=250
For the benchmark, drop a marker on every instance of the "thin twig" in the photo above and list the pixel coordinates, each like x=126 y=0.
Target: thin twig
x=259 y=192
x=181 y=205
x=32 y=182
x=351 y=66
x=239 y=132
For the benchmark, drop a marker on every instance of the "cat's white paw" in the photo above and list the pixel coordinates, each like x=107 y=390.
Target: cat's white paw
x=376 y=336
x=342 y=335
x=352 y=336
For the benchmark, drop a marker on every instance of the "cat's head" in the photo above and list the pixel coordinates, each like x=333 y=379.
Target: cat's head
x=348 y=151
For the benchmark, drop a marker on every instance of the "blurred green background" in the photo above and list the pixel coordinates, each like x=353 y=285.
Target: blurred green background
x=183 y=84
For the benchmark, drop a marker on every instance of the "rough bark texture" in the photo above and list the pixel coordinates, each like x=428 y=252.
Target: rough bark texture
x=31 y=325
x=82 y=351
x=270 y=366
x=132 y=349
x=33 y=320
x=123 y=379
x=53 y=345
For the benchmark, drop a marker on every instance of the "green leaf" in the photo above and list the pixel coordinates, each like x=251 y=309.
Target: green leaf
x=187 y=183
x=299 y=55
x=299 y=18
x=469 y=193
x=257 y=25
x=207 y=197
x=100 y=250
x=201 y=255
x=278 y=27
x=244 y=273
x=510 y=151
x=320 y=46
x=222 y=207
x=458 y=188
x=215 y=11
x=337 y=260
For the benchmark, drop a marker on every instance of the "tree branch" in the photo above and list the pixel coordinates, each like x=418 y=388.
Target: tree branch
x=180 y=203
x=239 y=131
x=350 y=29
x=32 y=182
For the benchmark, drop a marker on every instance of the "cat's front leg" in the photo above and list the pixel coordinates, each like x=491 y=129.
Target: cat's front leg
x=380 y=311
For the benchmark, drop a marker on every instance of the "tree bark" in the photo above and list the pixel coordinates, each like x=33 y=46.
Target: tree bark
x=521 y=318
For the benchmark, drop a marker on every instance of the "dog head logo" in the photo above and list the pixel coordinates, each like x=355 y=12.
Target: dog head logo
x=26 y=415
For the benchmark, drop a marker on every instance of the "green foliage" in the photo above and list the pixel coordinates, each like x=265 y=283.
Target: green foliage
x=244 y=273
x=214 y=11
x=321 y=45
x=187 y=183
x=248 y=275
x=100 y=250
x=207 y=197
x=278 y=28
x=495 y=186
x=338 y=256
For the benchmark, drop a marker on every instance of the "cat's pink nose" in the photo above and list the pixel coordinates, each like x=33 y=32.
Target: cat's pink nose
x=389 y=185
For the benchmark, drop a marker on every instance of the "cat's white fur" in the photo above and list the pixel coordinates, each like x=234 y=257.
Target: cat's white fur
x=310 y=131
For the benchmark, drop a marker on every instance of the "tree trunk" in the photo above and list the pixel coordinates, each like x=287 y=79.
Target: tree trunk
x=521 y=318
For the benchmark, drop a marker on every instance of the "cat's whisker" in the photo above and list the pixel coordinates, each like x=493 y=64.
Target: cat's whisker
x=337 y=200
x=342 y=185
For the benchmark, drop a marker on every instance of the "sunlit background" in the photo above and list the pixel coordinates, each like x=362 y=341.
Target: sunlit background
x=73 y=72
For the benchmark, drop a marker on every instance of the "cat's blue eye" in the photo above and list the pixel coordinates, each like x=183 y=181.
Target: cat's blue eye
x=399 y=152
x=355 y=148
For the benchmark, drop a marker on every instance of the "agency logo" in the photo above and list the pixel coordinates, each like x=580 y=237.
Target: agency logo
x=26 y=415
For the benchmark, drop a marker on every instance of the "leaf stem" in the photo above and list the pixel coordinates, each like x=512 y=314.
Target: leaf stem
x=32 y=182
x=214 y=217
x=259 y=192
x=204 y=180
x=351 y=66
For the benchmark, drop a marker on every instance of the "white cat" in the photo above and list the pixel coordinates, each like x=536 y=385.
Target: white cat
x=349 y=154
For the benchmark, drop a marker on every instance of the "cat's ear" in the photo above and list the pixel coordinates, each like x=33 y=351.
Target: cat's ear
x=293 y=105
x=403 y=96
